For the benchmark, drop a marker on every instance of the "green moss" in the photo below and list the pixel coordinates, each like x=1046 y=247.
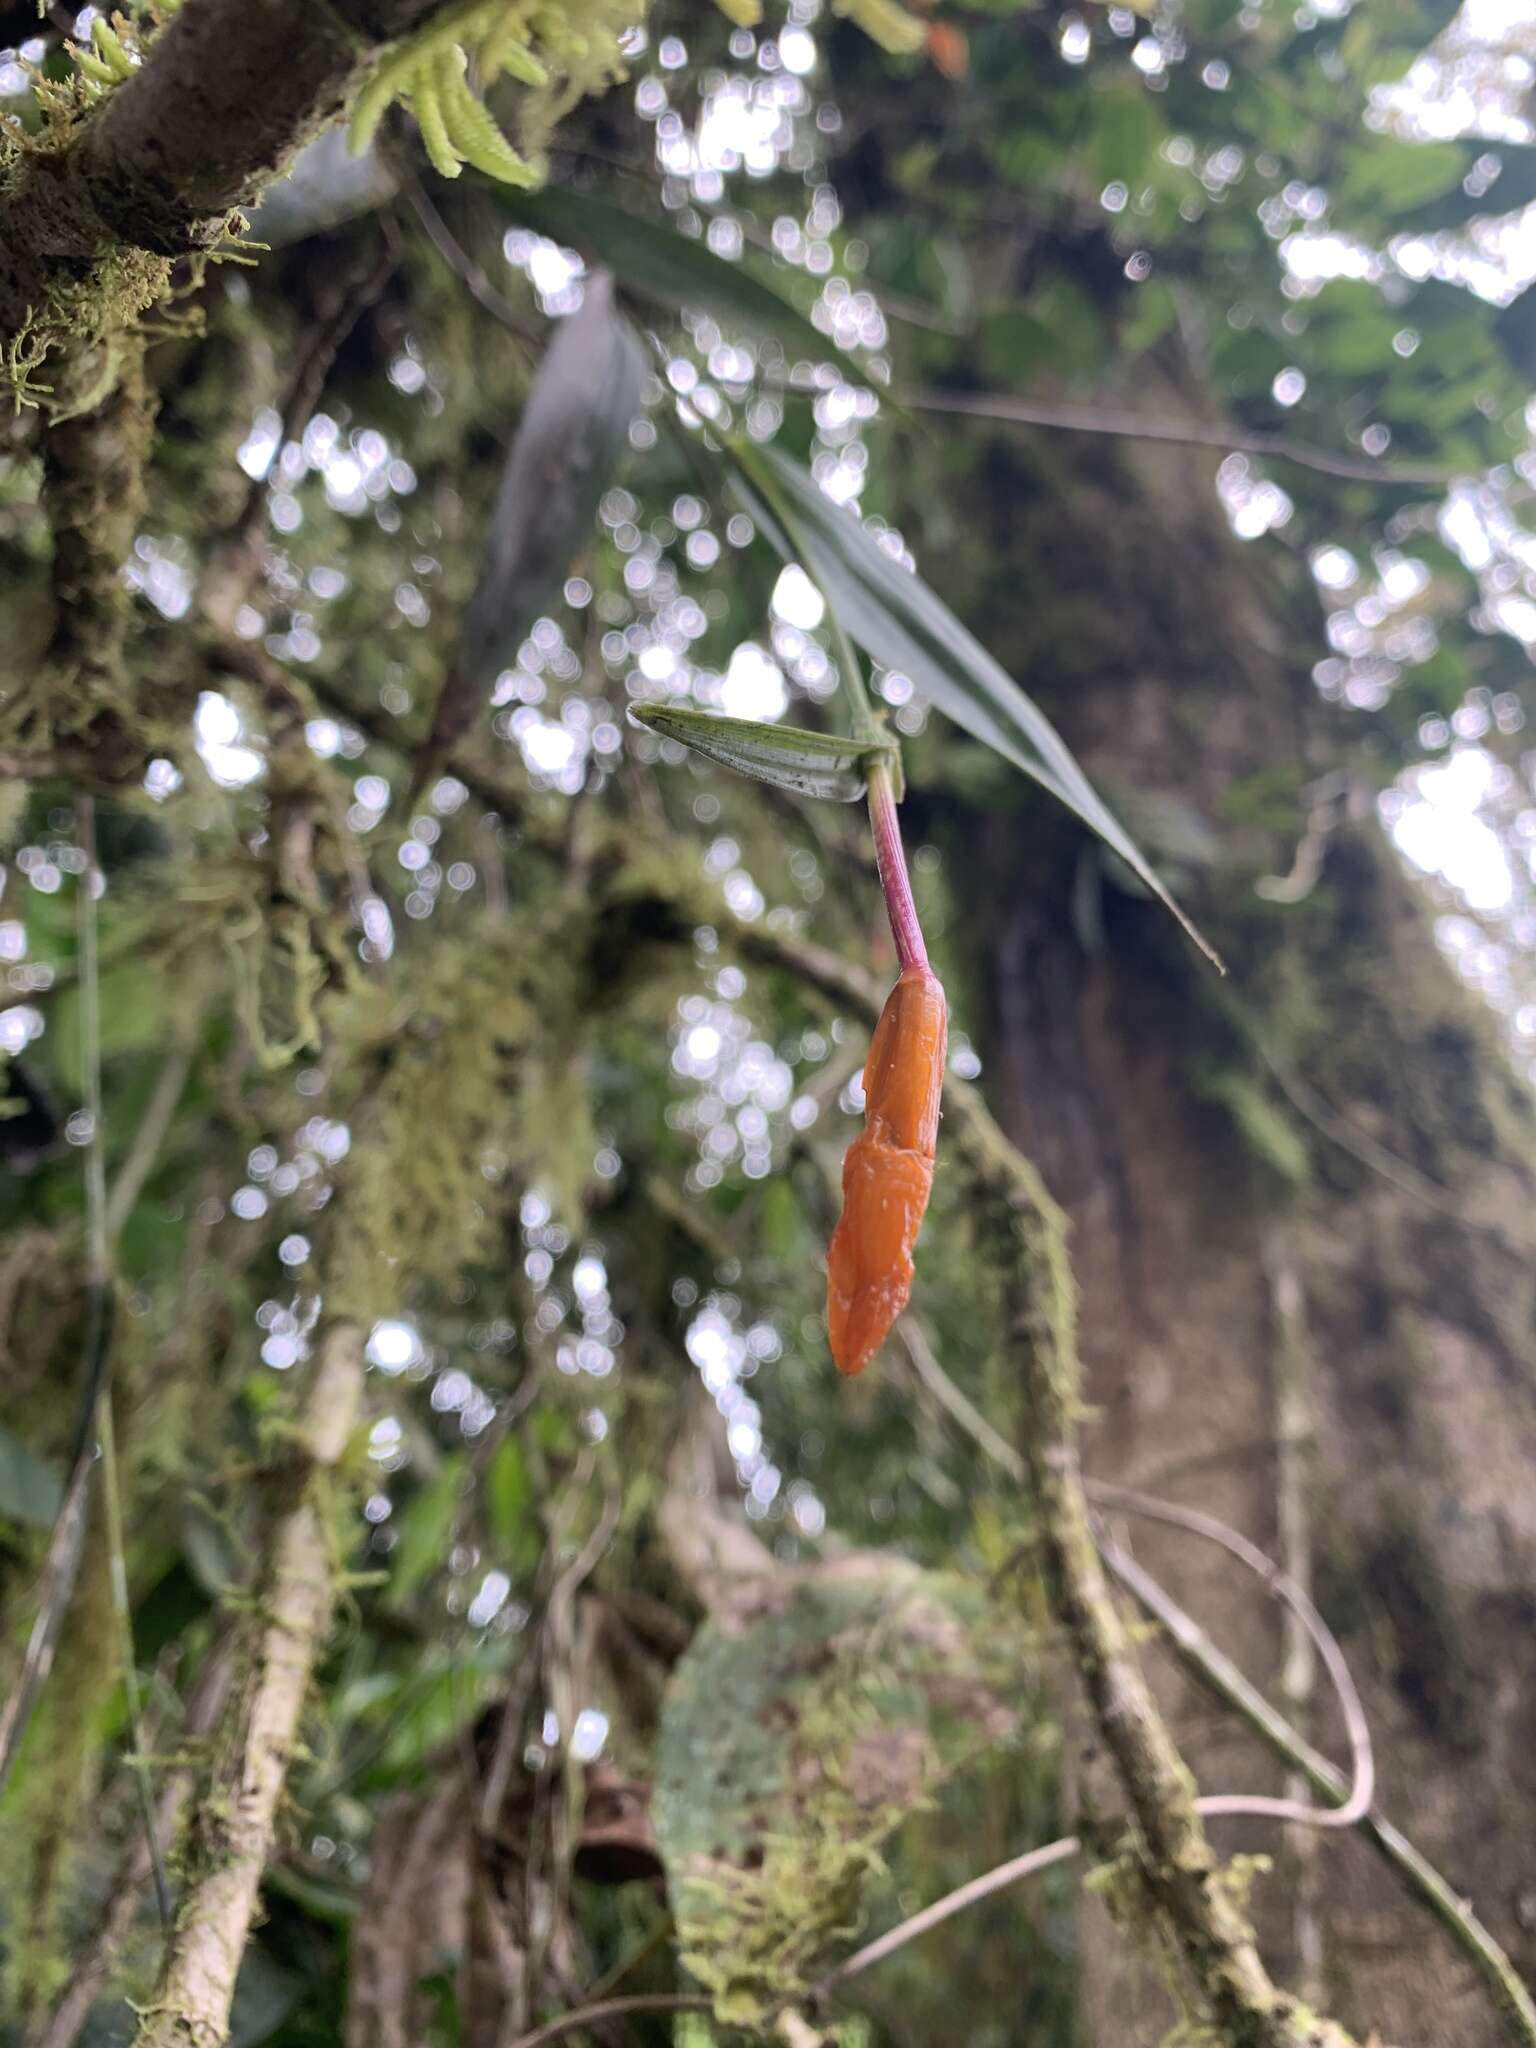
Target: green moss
x=795 y=1742
x=473 y=1088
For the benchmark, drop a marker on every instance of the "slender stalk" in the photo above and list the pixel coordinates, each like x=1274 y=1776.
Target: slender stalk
x=891 y=859
x=1126 y=424
x=971 y=1894
x=138 y=1762
x=883 y=771
x=1317 y=1630
x=90 y=1966
x=148 y=1139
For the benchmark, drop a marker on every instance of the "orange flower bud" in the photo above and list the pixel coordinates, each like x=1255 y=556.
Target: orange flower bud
x=888 y=1170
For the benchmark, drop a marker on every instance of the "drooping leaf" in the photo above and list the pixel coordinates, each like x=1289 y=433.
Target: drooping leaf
x=905 y=625
x=660 y=264
x=814 y=764
x=573 y=431
x=30 y=1487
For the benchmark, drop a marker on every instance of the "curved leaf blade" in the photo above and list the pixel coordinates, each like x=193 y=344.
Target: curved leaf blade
x=905 y=625
x=811 y=764
x=573 y=431
x=660 y=264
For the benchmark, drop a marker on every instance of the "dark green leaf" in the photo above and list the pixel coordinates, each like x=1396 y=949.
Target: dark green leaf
x=660 y=264
x=896 y=618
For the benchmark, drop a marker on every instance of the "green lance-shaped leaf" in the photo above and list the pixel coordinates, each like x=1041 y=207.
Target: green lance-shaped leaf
x=904 y=625
x=816 y=764
x=567 y=447
x=658 y=263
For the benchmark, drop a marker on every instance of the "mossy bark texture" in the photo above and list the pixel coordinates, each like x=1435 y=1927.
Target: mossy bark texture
x=233 y=1833
x=230 y=89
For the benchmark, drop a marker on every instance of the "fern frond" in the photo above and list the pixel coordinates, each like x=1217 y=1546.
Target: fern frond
x=474 y=132
x=427 y=105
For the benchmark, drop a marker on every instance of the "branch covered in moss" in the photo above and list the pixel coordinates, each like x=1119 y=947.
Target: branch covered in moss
x=1026 y=1235
x=236 y=1816
x=229 y=90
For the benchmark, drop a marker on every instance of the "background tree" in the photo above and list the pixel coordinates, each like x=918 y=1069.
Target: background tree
x=397 y=1028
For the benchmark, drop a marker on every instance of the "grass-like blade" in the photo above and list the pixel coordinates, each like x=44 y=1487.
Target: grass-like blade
x=814 y=764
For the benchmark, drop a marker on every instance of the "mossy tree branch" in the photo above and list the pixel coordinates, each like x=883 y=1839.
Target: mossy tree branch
x=233 y=1835
x=1023 y=1228
x=229 y=91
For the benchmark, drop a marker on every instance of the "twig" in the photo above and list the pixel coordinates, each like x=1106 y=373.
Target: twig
x=611 y=2009
x=925 y=1364
x=1135 y=426
x=61 y=1565
x=1028 y=1865
x=1339 y=1131
x=88 y=1973
x=99 y=1279
x=234 y=558
x=465 y=268
x=1221 y=1677
x=138 y=1761
x=60 y=1568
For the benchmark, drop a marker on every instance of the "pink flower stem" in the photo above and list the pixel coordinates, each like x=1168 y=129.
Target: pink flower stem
x=892 y=863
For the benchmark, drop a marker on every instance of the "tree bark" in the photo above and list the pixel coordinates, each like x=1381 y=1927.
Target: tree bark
x=1176 y=662
x=229 y=91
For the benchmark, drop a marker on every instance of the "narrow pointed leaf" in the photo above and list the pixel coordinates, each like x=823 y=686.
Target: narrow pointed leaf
x=905 y=625
x=568 y=444
x=658 y=263
x=815 y=764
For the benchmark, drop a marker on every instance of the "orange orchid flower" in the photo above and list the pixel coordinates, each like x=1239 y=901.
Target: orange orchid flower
x=888 y=1170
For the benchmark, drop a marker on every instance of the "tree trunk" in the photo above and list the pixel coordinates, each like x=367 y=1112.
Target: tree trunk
x=1251 y=1272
